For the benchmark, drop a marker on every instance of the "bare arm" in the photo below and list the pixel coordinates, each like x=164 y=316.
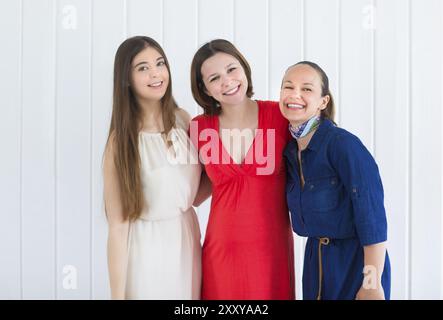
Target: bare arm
x=204 y=190
x=205 y=187
x=374 y=264
x=118 y=228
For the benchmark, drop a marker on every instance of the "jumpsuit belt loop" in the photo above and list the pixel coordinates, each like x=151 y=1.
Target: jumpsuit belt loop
x=321 y=242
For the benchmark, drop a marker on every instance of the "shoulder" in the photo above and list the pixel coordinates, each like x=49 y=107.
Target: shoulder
x=344 y=143
x=268 y=103
x=202 y=117
x=110 y=145
x=109 y=154
x=344 y=138
x=182 y=118
x=183 y=114
x=269 y=107
x=202 y=121
x=272 y=117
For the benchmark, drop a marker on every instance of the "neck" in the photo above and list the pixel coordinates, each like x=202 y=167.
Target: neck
x=151 y=115
x=238 y=112
x=304 y=142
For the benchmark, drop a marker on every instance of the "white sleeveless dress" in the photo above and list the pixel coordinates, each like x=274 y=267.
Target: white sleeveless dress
x=164 y=247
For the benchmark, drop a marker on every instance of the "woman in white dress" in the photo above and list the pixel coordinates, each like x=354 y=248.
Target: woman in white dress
x=151 y=177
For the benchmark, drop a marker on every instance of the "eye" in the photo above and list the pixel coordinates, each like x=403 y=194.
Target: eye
x=307 y=89
x=214 y=78
x=288 y=88
x=161 y=63
x=231 y=69
x=143 y=68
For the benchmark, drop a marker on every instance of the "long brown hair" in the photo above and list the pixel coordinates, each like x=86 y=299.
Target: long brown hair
x=126 y=122
x=329 y=111
x=209 y=49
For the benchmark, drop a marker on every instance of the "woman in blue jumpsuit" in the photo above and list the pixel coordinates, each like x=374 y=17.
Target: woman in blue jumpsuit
x=334 y=194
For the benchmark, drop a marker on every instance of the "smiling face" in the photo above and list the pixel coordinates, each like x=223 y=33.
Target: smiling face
x=149 y=75
x=301 y=94
x=224 y=79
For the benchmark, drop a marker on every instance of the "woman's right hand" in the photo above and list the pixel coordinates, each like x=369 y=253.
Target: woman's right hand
x=118 y=230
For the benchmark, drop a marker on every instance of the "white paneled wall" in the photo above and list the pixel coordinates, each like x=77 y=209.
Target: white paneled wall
x=383 y=58
x=392 y=150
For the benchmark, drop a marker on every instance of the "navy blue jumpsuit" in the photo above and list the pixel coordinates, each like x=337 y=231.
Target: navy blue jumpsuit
x=340 y=209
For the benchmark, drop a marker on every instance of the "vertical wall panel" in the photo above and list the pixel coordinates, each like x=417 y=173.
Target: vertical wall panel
x=391 y=137
x=441 y=175
x=73 y=149
x=356 y=79
x=144 y=18
x=10 y=137
x=38 y=150
x=286 y=46
x=107 y=34
x=285 y=40
x=322 y=39
x=180 y=44
x=384 y=60
x=321 y=34
x=426 y=80
x=251 y=36
x=215 y=21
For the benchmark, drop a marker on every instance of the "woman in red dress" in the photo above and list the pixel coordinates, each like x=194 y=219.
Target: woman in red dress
x=248 y=248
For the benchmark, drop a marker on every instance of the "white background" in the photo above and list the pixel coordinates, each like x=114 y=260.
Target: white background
x=384 y=60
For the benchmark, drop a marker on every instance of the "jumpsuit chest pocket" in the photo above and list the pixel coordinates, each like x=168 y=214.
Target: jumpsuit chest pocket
x=322 y=195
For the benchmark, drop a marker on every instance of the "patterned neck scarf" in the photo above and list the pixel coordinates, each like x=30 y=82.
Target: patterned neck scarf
x=305 y=128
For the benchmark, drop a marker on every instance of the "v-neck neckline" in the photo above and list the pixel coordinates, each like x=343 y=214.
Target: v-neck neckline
x=222 y=147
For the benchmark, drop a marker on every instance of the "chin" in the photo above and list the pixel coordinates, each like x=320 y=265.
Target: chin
x=229 y=101
x=296 y=121
x=288 y=116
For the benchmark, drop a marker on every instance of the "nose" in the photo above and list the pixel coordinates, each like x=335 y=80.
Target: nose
x=226 y=81
x=296 y=93
x=154 y=72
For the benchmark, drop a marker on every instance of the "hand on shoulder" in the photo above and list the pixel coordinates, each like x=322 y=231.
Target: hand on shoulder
x=184 y=116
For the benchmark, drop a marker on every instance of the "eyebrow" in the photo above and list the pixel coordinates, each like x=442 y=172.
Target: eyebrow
x=305 y=84
x=145 y=62
x=225 y=68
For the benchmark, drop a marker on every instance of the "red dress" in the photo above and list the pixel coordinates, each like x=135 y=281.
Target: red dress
x=248 y=248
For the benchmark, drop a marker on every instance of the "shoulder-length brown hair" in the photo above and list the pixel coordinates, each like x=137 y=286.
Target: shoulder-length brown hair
x=209 y=49
x=126 y=123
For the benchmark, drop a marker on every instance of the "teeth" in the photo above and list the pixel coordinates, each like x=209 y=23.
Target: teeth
x=157 y=84
x=231 y=91
x=295 y=106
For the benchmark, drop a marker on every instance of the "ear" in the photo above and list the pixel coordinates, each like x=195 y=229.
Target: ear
x=325 y=102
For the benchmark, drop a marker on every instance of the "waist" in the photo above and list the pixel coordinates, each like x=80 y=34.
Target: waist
x=160 y=216
x=333 y=240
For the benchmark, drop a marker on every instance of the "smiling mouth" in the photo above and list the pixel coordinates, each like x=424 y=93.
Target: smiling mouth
x=232 y=91
x=294 y=106
x=156 y=84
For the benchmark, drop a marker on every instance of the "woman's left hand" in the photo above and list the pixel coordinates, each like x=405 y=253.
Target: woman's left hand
x=371 y=294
